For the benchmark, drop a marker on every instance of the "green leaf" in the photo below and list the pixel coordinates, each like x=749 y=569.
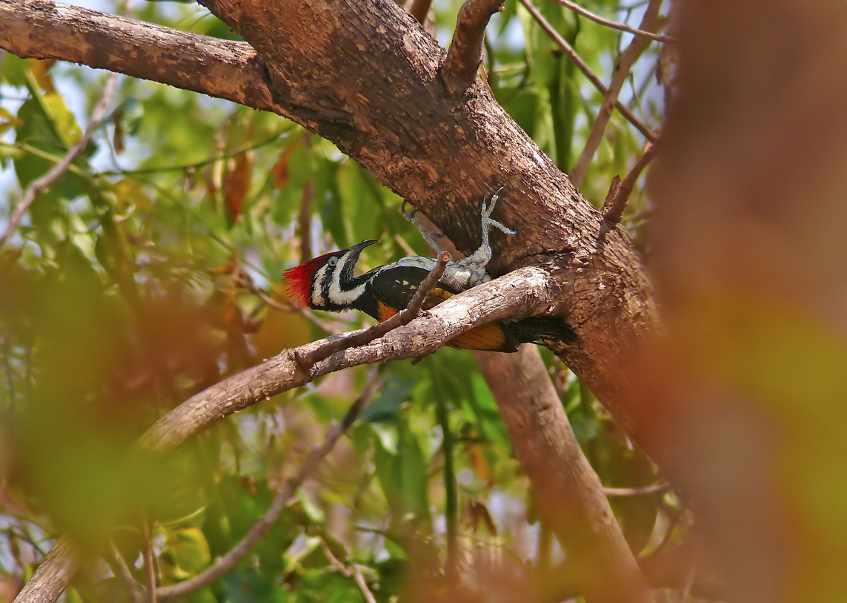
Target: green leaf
x=189 y=551
x=387 y=403
x=329 y=203
x=36 y=130
x=310 y=508
x=403 y=476
x=357 y=195
x=250 y=587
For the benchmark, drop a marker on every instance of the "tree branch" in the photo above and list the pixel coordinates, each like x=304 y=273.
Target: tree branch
x=53 y=575
x=465 y=53
x=615 y=25
x=116 y=562
x=642 y=491
x=149 y=562
x=619 y=192
x=221 y=68
x=419 y=10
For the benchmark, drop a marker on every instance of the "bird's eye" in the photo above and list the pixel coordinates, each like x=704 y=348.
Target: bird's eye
x=332 y=261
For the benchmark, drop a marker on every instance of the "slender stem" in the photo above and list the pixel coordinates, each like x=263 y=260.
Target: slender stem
x=615 y=25
x=149 y=563
x=618 y=196
x=643 y=491
x=120 y=569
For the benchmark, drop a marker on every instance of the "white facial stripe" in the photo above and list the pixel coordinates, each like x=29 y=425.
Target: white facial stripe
x=317 y=286
x=336 y=294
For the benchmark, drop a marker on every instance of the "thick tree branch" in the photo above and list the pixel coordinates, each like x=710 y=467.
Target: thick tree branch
x=465 y=53
x=226 y=69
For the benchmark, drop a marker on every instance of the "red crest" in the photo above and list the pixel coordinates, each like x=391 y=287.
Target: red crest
x=299 y=279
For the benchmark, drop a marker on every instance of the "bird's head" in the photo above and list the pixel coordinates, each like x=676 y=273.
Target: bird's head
x=327 y=282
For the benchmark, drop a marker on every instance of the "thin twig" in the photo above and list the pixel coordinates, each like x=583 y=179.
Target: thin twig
x=349 y=572
x=196 y=164
x=45 y=182
x=666 y=537
x=622 y=68
x=643 y=491
x=122 y=572
x=404 y=245
x=333 y=559
x=592 y=77
x=149 y=568
x=615 y=25
x=620 y=191
x=228 y=560
x=363 y=586
x=465 y=53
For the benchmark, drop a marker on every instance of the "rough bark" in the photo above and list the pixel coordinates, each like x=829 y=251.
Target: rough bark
x=52 y=576
x=366 y=77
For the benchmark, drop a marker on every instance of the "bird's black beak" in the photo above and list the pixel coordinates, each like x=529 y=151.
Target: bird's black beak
x=353 y=257
x=358 y=247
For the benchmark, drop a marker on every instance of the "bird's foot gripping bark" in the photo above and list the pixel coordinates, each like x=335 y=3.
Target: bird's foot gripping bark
x=482 y=255
x=476 y=262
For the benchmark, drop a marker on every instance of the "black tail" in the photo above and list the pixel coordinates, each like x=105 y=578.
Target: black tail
x=530 y=330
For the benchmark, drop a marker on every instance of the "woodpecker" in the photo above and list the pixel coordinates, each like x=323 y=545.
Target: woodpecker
x=328 y=282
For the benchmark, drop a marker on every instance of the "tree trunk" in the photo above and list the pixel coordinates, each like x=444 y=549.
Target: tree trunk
x=367 y=77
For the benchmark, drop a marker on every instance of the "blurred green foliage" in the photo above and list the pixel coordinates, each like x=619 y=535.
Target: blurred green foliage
x=125 y=290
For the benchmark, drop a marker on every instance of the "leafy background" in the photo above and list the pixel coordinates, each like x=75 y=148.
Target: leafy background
x=152 y=270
